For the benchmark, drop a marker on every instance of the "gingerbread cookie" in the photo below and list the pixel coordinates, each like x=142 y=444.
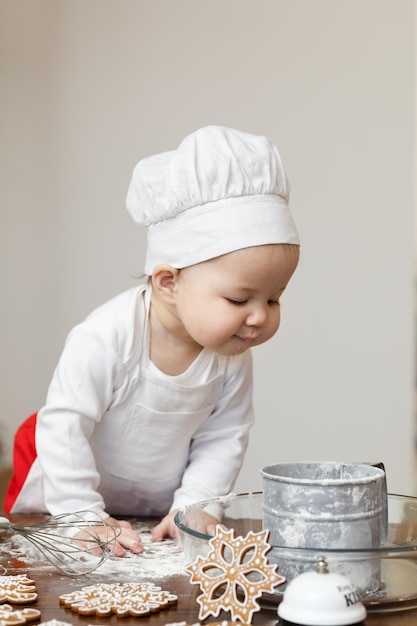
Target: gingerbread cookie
x=234 y=574
x=17 y=589
x=123 y=599
x=14 y=617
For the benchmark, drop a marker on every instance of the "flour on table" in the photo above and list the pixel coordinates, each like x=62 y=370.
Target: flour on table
x=55 y=622
x=158 y=560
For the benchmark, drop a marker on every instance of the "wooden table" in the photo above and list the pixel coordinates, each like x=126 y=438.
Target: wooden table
x=51 y=583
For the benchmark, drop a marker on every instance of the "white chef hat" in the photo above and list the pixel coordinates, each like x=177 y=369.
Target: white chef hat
x=221 y=190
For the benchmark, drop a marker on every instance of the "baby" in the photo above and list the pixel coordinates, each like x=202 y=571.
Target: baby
x=150 y=406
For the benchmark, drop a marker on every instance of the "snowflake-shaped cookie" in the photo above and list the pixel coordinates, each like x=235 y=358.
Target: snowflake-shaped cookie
x=17 y=589
x=234 y=574
x=13 y=617
x=123 y=599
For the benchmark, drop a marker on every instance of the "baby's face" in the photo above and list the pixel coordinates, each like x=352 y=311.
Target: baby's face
x=231 y=303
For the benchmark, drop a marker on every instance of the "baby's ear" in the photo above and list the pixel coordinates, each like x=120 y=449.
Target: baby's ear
x=164 y=281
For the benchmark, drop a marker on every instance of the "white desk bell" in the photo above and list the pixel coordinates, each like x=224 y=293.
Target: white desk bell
x=321 y=598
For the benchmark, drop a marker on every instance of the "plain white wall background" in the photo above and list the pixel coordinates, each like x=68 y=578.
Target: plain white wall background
x=89 y=88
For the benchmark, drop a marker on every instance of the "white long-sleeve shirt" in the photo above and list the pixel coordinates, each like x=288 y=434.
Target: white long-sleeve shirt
x=120 y=437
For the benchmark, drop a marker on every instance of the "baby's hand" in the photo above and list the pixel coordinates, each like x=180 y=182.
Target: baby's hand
x=166 y=528
x=202 y=522
x=128 y=539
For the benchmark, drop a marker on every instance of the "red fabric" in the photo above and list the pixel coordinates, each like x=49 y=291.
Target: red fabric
x=24 y=454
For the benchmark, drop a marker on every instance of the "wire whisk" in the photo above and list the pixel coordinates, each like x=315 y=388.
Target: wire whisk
x=72 y=542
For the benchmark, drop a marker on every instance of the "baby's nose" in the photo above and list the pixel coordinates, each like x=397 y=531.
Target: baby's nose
x=257 y=316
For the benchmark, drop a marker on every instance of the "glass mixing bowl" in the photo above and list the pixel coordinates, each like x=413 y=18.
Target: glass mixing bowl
x=396 y=560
